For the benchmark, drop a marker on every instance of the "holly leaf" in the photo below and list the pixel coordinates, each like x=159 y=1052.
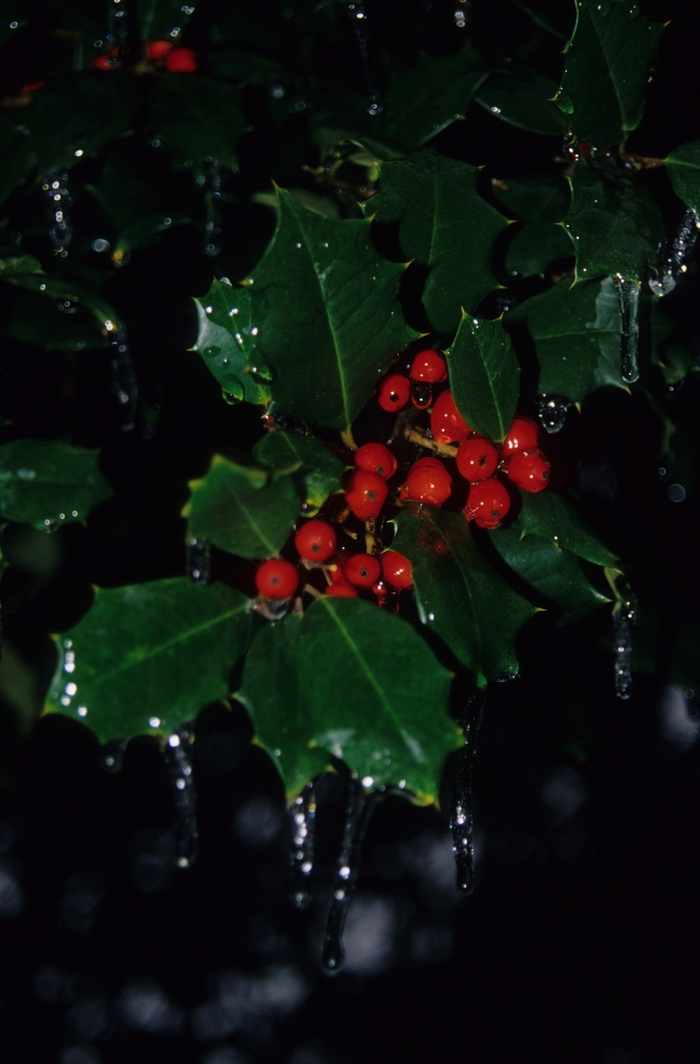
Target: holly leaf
x=147 y=657
x=162 y=20
x=608 y=62
x=551 y=15
x=524 y=99
x=683 y=165
x=197 y=118
x=227 y=345
x=556 y=518
x=440 y=212
x=484 y=376
x=282 y=716
x=534 y=197
x=315 y=469
x=46 y=483
x=536 y=246
x=576 y=333
x=242 y=510
x=458 y=594
x=329 y=322
x=613 y=221
x=391 y=723
x=553 y=574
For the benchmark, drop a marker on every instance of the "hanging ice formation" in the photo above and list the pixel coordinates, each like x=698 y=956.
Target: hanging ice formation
x=303 y=812
x=462 y=811
x=628 y=299
x=55 y=189
x=624 y=616
x=125 y=381
x=179 y=762
x=199 y=561
x=359 y=17
x=212 y=199
x=674 y=263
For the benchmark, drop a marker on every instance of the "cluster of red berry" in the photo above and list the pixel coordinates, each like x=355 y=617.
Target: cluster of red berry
x=162 y=53
x=428 y=480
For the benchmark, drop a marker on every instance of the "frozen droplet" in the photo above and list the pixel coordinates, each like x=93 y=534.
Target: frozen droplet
x=154 y=722
x=552 y=411
x=461 y=811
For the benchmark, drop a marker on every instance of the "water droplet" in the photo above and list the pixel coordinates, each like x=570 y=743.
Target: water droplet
x=676 y=492
x=303 y=813
x=154 y=722
x=552 y=411
x=624 y=616
x=566 y=104
x=199 y=560
x=461 y=810
x=177 y=755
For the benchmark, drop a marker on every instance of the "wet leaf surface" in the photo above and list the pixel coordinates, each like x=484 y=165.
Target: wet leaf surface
x=313 y=466
x=556 y=518
x=484 y=376
x=523 y=99
x=225 y=343
x=196 y=118
x=47 y=483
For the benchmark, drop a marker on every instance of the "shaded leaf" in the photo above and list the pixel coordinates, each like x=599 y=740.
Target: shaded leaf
x=614 y=223
x=328 y=317
x=551 y=15
x=536 y=246
x=313 y=466
x=242 y=510
x=576 y=332
x=162 y=20
x=46 y=483
x=147 y=657
x=391 y=723
x=225 y=343
x=683 y=165
x=282 y=715
x=534 y=197
x=197 y=118
x=524 y=99
x=440 y=212
x=484 y=376
x=459 y=596
x=556 y=518
x=608 y=61
x=17 y=154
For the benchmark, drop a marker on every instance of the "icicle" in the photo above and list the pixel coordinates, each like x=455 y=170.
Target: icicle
x=461 y=811
x=118 y=23
x=212 y=199
x=624 y=616
x=674 y=264
x=54 y=187
x=359 y=17
x=199 y=560
x=552 y=411
x=124 y=376
x=303 y=827
x=628 y=299
x=179 y=762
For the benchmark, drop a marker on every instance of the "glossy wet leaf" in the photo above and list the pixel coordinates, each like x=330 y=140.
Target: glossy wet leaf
x=58 y=315
x=196 y=118
x=556 y=518
x=608 y=62
x=534 y=197
x=523 y=99
x=459 y=596
x=242 y=510
x=536 y=246
x=328 y=316
x=147 y=657
x=613 y=221
x=225 y=343
x=555 y=575
x=576 y=334
x=46 y=483
x=683 y=166
x=163 y=20
x=484 y=376
x=281 y=713
x=314 y=468
x=440 y=213
x=551 y=15
x=377 y=696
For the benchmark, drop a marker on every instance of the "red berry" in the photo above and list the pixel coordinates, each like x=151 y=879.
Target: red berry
x=362 y=570
x=429 y=366
x=277 y=579
x=522 y=436
x=157 y=50
x=428 y=481
x=530 y=470
x=107 y=62
x=397 y=570
x=334 y=567
x=446 y=423
x=181 y=61
x=376 y=458
x=477 y=458
x=341 y=591
x=393 y=392
x=488 y=503
x=366 y=494
x=315 y=541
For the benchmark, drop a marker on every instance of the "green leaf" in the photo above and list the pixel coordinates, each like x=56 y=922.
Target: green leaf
x=162 y=20
x=550 y=15
x=377 y=696
x=484 y=376
x=315 y=469
x=683 y=165
x=576 y=332
x=614 y=223
x=459 y=596
x=524 y=99
x=327 y=313
x=534 y=197
x=197 y=118
x=242 y=510
x=17 y=154
x=282 y=715
x=46 y=483
x=225 y=343
x=556 y=518
x=147 y=657
x=18 y=266
x=440 y=212
x=554 y=574
x=536 y=246
x=608 y=62
x=426 y=99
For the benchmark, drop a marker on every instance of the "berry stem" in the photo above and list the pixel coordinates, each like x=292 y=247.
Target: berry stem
x=416 y=436
x=348 y=440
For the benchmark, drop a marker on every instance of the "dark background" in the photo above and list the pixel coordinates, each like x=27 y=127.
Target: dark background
x=579 y=942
